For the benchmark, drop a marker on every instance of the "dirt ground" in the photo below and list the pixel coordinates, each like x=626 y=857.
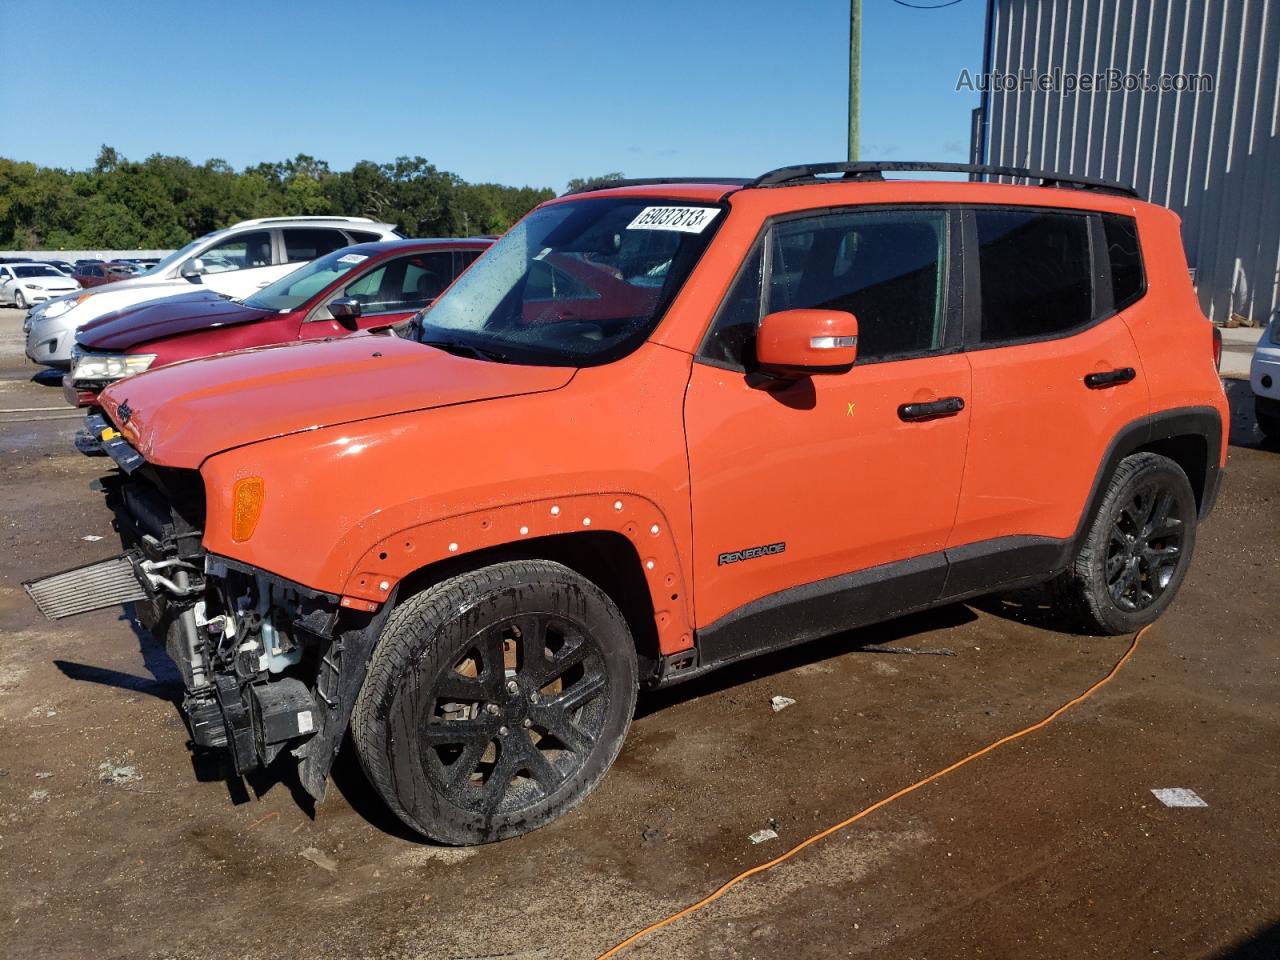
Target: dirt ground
x=110 y=845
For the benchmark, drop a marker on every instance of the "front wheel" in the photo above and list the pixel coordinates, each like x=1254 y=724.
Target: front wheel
x=1137 y=550
x=496 y=701
x=19 y=300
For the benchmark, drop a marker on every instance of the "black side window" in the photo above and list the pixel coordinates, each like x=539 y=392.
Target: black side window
x=363 y=236
x=402 y=284
x=1035 y=272
x=732 y=337
x=1128 y=281
x=425 y=277
x=301 y=244
x=886 y=267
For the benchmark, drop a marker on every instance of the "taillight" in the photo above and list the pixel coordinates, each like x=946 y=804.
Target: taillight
x=1217 y=348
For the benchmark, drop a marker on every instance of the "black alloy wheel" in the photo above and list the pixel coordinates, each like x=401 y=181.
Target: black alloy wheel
x=496 y=700
x=1145 y=547
x=1136 y=548
x=516 y=715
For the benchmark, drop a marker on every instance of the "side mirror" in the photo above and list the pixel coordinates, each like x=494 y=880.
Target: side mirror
x=798 y=343
x=346 y=311
x=192 y=269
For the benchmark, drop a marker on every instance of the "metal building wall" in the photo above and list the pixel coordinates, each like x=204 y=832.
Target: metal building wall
x=1214 y=157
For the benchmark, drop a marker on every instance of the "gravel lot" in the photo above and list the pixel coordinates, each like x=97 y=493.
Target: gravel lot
x=110 y=846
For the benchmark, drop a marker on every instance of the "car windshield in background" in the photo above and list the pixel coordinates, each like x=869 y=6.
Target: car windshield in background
x=37 y=272
x=293 y=290
x=575 y=283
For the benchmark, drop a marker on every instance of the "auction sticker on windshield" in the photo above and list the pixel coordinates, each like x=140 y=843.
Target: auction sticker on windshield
x=352 y=258
x=684 y=219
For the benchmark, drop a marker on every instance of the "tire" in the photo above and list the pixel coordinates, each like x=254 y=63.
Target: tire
x=19 y=300
x=1132 y=562
x=455 y=681
x=1267 y=423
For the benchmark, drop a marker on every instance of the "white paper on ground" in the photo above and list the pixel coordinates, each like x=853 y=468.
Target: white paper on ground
x=1178 y=797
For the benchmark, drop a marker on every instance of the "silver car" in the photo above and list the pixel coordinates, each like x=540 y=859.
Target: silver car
x=234 y=262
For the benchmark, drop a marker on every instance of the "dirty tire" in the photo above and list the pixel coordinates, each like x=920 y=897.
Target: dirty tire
x=496 y=701
x=1137 y=550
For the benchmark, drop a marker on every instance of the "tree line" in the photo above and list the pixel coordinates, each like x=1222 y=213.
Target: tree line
x=163 y=202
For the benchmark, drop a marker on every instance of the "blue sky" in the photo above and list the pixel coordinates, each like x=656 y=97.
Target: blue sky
x=521 y=93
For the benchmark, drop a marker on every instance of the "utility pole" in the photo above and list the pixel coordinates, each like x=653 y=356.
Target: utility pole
x=855 y=71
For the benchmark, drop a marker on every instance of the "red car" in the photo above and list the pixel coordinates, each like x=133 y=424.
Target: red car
x=96 y=274
x=365 y=286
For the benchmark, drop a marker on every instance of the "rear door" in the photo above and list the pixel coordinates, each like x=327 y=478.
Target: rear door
x=304 y=244
x=1056 y=374
x=795 y=488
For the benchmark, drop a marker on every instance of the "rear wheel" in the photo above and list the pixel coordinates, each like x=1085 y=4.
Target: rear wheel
x=496 y=701
x=1137 y=550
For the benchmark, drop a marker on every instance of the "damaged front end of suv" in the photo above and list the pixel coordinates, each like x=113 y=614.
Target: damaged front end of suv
x=268 y=665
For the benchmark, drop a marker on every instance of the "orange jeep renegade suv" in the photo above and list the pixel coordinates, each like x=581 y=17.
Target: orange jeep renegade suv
x=656 y=428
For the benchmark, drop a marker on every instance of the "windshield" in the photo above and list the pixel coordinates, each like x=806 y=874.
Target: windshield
x=40 y=271
x=575 y=283
x=177 y=255
x=294 y=289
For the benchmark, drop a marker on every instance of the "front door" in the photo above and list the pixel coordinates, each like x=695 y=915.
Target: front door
x=389 y=294
x=817 y=503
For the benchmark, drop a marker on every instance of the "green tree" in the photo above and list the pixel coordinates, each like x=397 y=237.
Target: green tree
x=583 y=183
x=166 y=201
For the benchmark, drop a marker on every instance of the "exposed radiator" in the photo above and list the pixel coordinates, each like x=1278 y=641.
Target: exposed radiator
x=106 y=583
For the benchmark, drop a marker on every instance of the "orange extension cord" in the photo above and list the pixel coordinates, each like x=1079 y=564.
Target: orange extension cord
x=730 y=884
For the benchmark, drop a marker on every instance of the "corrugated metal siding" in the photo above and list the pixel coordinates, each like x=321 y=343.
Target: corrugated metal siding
x=1214 y=157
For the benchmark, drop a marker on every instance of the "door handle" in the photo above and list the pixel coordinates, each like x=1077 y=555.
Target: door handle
x=1111 y=378
x=946 y=407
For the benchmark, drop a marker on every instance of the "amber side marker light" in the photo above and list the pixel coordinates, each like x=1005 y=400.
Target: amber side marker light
x=246 y=507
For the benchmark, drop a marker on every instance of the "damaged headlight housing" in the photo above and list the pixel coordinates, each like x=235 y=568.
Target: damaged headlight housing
x=109 y=366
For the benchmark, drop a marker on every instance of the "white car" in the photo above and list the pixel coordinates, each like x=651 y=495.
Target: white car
x=235 y=262
x=25 y=284
x=1264 y=377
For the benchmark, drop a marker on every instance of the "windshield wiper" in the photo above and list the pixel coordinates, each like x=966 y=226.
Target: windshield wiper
x=460 y=349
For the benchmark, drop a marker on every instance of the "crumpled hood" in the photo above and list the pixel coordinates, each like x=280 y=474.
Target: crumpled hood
x=182 y=414
x=155 y=319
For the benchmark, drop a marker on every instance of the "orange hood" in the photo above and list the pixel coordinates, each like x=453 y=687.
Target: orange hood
x=180 y=415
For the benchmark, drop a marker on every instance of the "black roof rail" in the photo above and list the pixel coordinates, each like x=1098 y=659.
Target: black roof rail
x=653 y=181
x=874 y=170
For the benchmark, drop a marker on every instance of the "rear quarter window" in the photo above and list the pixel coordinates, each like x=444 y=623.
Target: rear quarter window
x=1124 y=254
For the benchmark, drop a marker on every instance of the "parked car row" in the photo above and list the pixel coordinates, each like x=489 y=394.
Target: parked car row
x=235 y=261
x=354 y=288
x=654 y=429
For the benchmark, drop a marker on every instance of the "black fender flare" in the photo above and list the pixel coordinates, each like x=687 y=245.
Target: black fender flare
x=1203 y=422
